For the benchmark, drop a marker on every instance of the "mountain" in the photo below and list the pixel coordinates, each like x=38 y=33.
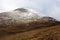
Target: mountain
x=23 y=20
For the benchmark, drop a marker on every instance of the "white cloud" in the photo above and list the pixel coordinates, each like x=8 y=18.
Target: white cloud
x=34 y=4
x=55 y=12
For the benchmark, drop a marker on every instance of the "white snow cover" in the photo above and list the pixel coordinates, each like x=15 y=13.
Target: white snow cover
x=30 y=15
x=21 y=16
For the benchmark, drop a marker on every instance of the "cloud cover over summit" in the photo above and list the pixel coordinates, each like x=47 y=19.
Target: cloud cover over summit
x=47 y=7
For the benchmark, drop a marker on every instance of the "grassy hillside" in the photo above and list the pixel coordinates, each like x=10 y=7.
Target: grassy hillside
x=48 y=33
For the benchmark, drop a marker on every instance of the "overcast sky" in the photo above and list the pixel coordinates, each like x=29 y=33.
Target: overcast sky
x=47 y=7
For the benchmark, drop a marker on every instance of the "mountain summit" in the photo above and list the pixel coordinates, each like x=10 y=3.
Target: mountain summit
x=21 y=19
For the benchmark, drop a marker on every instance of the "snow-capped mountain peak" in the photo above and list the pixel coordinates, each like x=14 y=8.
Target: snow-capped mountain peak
x=24 y=19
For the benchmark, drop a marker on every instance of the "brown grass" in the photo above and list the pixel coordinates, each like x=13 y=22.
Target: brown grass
x=49 y=33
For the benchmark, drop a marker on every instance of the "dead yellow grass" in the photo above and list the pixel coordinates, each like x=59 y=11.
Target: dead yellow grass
x=49 y=33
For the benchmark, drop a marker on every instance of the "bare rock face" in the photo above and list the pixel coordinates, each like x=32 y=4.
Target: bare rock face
x=24 y=19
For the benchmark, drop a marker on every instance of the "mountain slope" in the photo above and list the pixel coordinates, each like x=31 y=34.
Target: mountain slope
x=21 y=20
x=49 y=33
x=24 y=24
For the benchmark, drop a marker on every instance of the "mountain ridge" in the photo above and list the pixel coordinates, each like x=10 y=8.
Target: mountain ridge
x=24 y=20
x=15 y=20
